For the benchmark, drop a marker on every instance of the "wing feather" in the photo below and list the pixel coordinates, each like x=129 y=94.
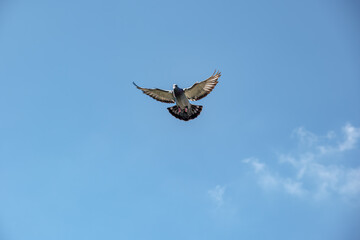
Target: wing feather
x=202 y=89
x=158 y=94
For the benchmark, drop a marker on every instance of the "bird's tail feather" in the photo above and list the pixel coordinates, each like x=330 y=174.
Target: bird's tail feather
x=192 y=113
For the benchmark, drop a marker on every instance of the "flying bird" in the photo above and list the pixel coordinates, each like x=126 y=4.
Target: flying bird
x=183 y=109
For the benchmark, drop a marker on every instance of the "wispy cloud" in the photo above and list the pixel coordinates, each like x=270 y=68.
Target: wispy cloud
x=258 y=167
x=351 y=136
x=304 y=136
x=313 y=175
x=217 y=194
x=270 y=180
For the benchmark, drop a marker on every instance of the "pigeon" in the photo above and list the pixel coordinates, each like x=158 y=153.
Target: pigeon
x=183 y=109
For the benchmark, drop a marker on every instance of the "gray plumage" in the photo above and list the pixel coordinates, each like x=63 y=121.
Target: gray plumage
x=183 y=109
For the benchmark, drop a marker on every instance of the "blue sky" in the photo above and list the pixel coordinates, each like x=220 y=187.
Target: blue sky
x=273 y=155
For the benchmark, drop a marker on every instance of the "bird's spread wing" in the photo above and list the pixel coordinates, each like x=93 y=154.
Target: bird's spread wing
x=201 y=89
x=158 y=94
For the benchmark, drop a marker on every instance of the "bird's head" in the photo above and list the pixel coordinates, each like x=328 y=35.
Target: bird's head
x=175 y=86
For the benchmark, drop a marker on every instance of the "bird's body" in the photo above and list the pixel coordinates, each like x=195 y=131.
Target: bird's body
x=180 y=98
x=183 y=109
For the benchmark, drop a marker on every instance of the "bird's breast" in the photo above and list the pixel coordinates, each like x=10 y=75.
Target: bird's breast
x=181 y=99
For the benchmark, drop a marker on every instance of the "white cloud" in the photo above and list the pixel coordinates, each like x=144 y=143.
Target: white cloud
x=217 y=194
x=255 y=163
x=305 y=136
x=352 y=135
x=269 y=180
x=293 y=187
x=313 y=175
